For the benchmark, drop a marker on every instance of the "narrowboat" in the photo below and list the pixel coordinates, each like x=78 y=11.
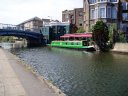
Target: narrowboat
x=75 y=41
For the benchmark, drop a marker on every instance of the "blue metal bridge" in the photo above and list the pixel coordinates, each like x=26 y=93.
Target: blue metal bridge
x=33 y=36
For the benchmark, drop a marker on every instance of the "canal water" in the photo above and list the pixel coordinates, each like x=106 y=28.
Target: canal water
x=79 y=73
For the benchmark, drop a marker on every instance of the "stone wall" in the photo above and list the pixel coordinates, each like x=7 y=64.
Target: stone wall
x=121 y=47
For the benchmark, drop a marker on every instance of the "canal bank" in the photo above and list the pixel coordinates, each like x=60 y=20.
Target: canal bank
x=20 y=80
x=120 y=48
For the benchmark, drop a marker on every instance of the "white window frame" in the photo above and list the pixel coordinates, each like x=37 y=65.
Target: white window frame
x=96 y=13
x=104 y=12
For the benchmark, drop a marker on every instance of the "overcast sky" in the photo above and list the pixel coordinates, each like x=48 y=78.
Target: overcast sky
x=17 y=11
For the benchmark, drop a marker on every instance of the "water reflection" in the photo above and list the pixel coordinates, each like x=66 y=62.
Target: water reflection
x=80 y=73
x=6 y=45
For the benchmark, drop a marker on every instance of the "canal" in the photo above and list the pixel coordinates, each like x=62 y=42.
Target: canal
x=79 y=73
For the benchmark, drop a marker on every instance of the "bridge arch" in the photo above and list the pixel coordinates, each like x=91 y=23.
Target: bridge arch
x=33 y=38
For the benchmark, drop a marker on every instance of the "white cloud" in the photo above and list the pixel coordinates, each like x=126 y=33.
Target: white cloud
x=17 y=11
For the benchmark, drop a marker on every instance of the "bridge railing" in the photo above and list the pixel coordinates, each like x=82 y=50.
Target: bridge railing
x=18 y=27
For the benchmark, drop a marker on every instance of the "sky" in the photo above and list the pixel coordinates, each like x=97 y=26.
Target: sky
x=17 y=11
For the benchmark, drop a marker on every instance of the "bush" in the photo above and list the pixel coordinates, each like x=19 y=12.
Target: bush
x=80 y=30
x=101 y=35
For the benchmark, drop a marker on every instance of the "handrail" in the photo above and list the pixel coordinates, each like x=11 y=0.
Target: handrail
x=18 y=27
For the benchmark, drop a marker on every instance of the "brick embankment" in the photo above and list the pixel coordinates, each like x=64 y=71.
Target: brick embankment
x=19 y=80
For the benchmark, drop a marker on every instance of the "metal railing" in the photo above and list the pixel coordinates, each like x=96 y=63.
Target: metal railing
x=18 y=27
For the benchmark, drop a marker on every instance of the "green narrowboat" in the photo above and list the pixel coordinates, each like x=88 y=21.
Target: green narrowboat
x=75 y=44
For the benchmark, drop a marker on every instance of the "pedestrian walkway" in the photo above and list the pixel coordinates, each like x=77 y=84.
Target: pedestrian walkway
x=9 y=82
x=16 y=80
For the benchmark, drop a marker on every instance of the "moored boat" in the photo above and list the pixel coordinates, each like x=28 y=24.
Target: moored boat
x=75 y=41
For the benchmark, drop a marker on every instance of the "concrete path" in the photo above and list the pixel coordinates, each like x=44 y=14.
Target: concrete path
x=16 y=80
x=9 y=82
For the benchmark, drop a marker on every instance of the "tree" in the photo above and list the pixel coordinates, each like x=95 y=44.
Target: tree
x=101 y=35
x=80 y=30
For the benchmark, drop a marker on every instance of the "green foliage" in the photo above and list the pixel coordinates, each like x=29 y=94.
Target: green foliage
x=80 y=30
x=116 y=35
x=101 y=35
x=121 y=37
x=112 y=34
x=91 y=28
x=6 y=39
x=112 y=30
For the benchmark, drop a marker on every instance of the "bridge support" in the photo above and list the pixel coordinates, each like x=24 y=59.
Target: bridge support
x=35 y=42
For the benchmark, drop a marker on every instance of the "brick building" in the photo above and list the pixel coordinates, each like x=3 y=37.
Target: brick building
x=74 y=17
x=68 y=16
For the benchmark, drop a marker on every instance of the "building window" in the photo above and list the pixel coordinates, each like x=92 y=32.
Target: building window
x=72 y=17
x=102 y=0
x=102 y=13
x=80 y=14
x=125 y=16
x=92 y=1
x=80 y=22
x=92 y=14
x=114 y=13
x=125 y=6
x=109 y=12
x=113 y=0
x=66 y=16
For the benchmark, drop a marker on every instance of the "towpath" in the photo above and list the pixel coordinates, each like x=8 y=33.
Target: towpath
x=16 y=80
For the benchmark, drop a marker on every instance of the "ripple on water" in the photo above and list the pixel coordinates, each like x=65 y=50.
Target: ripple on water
x=80 y=73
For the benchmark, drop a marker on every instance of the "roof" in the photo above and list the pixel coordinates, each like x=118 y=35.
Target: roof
x=77 y=35
x=46 y=20
x=34 y=18
x=58 y=24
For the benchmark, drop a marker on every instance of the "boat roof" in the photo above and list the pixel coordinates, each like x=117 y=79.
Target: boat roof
x=77 y=35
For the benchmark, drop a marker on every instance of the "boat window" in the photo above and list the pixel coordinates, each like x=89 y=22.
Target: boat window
x=66 y=43
x=78 y=43
x=85 y=43
x=71 y=43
